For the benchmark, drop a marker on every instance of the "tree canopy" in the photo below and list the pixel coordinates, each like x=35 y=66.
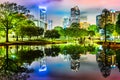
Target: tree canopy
x=118 y=25
x=10 y=15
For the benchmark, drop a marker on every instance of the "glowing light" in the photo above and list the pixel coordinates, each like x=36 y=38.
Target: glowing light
x=113 y=66
x=43 y=9
x=112 y=11
x=43 y=68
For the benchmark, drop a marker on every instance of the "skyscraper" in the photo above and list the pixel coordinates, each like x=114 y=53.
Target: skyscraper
x=111 y=17
x=98 y=19
x=50 y=22
x=75 y=15
x=65 y=22
x=43 y=17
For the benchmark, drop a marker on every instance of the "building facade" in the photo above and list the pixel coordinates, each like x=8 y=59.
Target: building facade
x=75 y=15
x=107 y=16
x=41 y=21
x=50 y=25
x=84 y=25
x=66 y=22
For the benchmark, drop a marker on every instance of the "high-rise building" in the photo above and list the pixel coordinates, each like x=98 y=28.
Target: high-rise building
x=107 y=16
x=50 y=26
x=84 y=25
x=43 y=17
x=75 y=15
x=98 y=19
x=65 y=22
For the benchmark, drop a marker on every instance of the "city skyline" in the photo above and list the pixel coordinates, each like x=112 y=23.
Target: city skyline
x=57 y=9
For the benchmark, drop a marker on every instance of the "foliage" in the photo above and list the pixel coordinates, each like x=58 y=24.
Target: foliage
x=93 y=28
x=117 y=28
x=91 y=33
x=75 y=25
x=73 y=49
x=29 y=56
x=10 y=15
x=76 y=32
x=39 y=31
x=60 y=30
x=51 y=34
x=109 y=28
x=53 y=51
x=30 y=31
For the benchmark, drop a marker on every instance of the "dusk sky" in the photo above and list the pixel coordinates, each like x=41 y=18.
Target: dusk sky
x=57 y=9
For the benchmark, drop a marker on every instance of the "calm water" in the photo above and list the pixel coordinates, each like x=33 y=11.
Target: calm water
x=60 y=62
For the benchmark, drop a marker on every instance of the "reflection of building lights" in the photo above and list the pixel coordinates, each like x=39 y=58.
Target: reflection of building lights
x=43 y=68
x=113 y=66
x=112 y=11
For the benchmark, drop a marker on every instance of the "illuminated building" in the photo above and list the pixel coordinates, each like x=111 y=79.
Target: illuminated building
x=84 y=25
x=50 y=26
x=75 y=15
x=111 y=17
x=42 y=20
x=98 y=19
x=65 y=22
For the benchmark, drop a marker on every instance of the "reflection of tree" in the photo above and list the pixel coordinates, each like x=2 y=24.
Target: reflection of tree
x=30 y=55
x=118 y=58
x=104 y=59
x=10 y=70
x=52 y=51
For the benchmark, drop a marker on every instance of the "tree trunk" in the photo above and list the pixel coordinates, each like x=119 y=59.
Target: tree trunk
x=17 y=37
x=22 y=38
x=7 y=35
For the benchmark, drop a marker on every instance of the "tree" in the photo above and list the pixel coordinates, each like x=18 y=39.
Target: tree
x=10 y=15
x=19 y=31
x=109 y=28
x=52 y=34
x=60 y=30
x=93 y=28
x=75 y=25
x=117 y=28
x=39 y=31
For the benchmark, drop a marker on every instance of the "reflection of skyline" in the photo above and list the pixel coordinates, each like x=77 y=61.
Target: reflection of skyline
x=107 y=60
x=59 y=69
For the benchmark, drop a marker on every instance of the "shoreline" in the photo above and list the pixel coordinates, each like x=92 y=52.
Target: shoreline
x=31 y=43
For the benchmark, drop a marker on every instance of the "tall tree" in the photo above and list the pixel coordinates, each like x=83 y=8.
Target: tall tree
x=10 y=14
x=109 y=28
x=60 y=30
x=22 y=24
x=117 y=28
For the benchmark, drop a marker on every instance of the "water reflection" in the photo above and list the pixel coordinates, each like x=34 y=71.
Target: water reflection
x=10 y=69
x=108 y=59
x=30 y=59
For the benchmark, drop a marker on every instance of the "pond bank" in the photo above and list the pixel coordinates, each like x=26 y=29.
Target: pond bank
x=31 y=43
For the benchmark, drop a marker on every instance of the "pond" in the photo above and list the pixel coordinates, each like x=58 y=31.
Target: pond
x=59 y=62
